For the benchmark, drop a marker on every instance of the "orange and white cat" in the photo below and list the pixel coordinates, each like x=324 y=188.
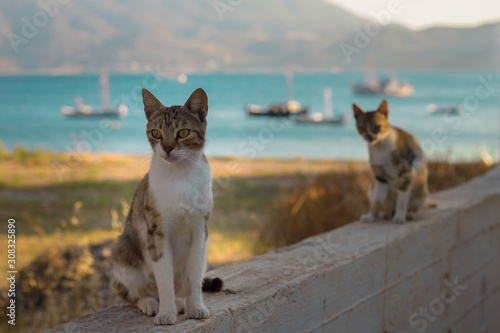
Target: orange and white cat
x=397 y=162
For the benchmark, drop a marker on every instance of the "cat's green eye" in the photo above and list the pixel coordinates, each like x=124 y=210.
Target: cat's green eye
x=183 y=133
x=156 y=134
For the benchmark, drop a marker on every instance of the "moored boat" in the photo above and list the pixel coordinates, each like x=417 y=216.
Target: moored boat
x=389 y=87
x=88 y=111
x=276 y=110
x=327 y=117
x=453 y=109
x=319 y=118
x=106 y=110
x=373 y=85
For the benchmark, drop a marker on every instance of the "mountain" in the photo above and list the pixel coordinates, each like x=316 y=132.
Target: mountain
x=62 y=36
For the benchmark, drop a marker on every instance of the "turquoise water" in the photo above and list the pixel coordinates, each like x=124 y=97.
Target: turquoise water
x=30 y=113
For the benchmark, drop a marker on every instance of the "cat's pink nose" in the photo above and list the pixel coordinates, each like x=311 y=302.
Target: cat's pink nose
x=168 y=149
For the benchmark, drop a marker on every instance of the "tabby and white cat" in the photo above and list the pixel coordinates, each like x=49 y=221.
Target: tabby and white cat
x=397 y=162
x=160 y=258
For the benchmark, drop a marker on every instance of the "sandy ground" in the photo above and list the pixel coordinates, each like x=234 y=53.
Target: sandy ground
x=115 y=166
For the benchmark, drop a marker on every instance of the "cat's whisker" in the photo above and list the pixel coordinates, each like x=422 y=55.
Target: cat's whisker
x=196 y=160
x=145 y=159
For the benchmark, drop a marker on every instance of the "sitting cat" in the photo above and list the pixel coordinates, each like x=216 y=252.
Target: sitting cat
x=397 y=162
x=161 y=256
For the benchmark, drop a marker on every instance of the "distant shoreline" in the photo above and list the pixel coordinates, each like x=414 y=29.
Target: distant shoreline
x=255 y=71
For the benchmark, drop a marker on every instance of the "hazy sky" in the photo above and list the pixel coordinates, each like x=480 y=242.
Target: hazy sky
x=418 y=14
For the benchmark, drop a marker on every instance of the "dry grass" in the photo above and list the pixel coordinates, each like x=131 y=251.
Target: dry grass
x=325 y=202
x=444 y=175
x=31 y=247
x=314 y=205
x=64 y=283
x=224 y=248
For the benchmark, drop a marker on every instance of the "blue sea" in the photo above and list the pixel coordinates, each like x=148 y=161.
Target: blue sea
x=30 y=113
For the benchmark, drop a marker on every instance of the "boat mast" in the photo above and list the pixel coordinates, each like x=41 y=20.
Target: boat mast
x=104 y=79
x=289 y=85
x=327 y=95
x=370 y=77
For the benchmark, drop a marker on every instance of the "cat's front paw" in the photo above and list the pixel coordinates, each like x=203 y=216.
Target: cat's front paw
x=198 y=312
x=168 y=318
x=399 y=219
x=148 y=305
x=367 y=218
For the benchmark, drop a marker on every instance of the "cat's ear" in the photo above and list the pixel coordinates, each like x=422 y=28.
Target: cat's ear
x=384 y=108
x=151 y=104
x=198 y=103
x=357 y=111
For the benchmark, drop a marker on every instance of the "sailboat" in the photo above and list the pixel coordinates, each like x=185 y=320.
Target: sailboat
x=327 y=117
x=390 y=86
x=106 y=110
x=290 y=108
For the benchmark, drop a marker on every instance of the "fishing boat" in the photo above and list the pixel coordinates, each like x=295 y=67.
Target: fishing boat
x=373 y=85
x=287 y=109
x=327 y=117
x=435 y=109
x=388 y=86
x=277 y=110
x=106 y=110
x=319 y=118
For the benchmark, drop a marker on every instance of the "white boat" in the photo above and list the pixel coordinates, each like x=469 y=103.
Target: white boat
x=287 y=109
x=319 y=118
x=106 y=110
x=435 y=109
x=391 y=86
x=327 y=117
x=290 y=108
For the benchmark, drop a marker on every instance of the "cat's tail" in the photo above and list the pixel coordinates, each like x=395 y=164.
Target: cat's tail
x=212 y=285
